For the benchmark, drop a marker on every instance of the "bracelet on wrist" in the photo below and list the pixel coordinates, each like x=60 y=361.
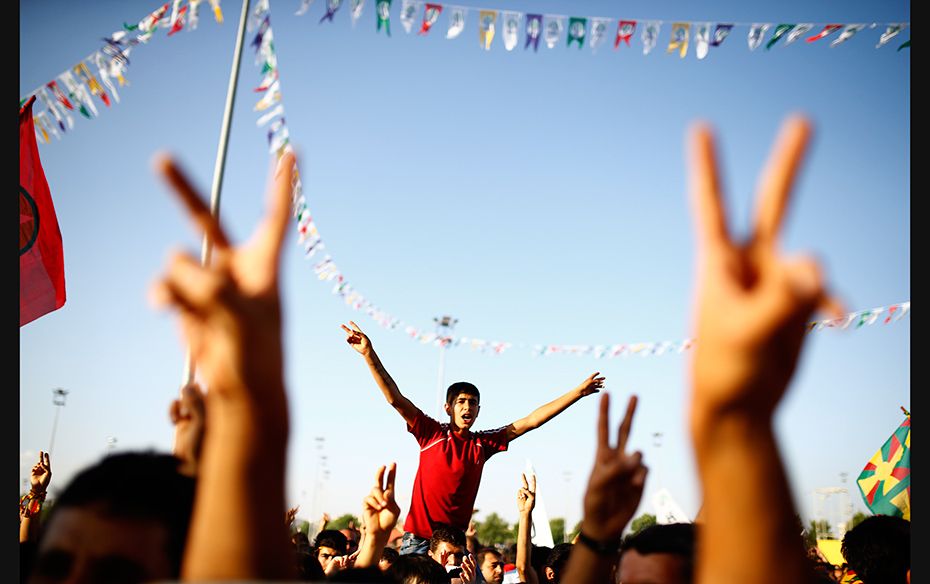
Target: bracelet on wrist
x=602 y=548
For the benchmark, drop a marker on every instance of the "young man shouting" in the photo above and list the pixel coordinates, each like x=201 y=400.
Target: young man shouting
x=452 y=456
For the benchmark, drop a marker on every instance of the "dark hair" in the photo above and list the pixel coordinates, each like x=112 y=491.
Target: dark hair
x=459 y=388
x=331 y=538
x=418 y=569
x=446 y=533
x=673 y=538
x=483 y=552
x=879 y=549
x=540 y=554
x=137 y=485
x=389 y=555
x=558 y=558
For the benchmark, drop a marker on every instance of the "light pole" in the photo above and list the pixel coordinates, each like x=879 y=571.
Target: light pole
x=567 y=475
x=444 y=326
x=58 y=399
x=320 y=463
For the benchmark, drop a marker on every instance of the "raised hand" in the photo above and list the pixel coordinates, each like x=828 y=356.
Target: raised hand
x=617 y=479
x=752 y=301
x=526 y=496
x=290 y=515
x=592 y=384
x=230 y=310
x=357 y=339
x=380 y=510
x=41 y=474
x=469 y=570
x=188 y=416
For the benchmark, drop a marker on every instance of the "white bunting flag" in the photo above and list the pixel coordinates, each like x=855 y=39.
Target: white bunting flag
x=456 y=22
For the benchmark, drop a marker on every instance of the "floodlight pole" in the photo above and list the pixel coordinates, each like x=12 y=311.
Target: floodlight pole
x=220 y=165
x=444 y=326
x=58 y=399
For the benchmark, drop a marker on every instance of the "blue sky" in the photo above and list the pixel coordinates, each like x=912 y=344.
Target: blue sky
x=537 y=197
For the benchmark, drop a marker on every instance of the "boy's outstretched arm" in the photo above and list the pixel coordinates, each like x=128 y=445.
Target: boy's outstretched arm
x=543 y=414
x=752 y=307
x=361 y=343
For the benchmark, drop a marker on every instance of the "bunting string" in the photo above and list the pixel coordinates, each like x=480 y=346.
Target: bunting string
x=552 y=26
x=326 y=269
x=98 y=74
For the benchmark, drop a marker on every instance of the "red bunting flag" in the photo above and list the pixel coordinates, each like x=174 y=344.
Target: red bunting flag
x=41 y=257
x=827 y=30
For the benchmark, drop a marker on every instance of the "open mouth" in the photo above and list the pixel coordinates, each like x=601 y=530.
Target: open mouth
x=468 y=418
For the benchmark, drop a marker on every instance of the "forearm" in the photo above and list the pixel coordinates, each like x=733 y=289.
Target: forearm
x=236 y=530
x=546 y=412
x=383 y=378
x=523 y=561
x=369 y=553
x=747 y=502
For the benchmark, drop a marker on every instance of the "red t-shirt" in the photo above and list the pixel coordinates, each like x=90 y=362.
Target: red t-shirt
x=449 y=473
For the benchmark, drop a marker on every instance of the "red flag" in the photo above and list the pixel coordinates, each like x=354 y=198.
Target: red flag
x=41 y=258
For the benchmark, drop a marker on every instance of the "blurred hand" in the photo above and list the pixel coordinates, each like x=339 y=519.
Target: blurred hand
x=188 y=416
x=617 y=479
x=752 y=301
x=469 y=570
x=290 y=515
x=230 y=310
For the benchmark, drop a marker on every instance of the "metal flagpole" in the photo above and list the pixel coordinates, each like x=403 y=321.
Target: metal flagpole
x=220 y=165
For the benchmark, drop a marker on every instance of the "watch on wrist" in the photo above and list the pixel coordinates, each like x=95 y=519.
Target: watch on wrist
x=601 y=548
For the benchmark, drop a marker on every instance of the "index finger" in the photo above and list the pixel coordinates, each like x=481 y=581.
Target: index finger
x=602 y=420
x=198 y=210
x=526 y=485
x=704 y=186
x=379 y=477
x=48 y=463
x=624 y=431
x=778 y=177
x=347 y=329
x=392 y=473
x=355 y=326
x=279 y=204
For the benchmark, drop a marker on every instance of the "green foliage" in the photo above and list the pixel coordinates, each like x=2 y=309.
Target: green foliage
x=642 y=522
x=557 y=525
x=858 y=518
x=817 y=529
x=342 y=522
x=575 y=532
x=494 y=530
x=302 y=526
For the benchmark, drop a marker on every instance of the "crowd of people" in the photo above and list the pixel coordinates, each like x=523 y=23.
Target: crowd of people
x=214 y=509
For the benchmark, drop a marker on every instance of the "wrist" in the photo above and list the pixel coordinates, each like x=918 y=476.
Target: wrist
x=602 y=546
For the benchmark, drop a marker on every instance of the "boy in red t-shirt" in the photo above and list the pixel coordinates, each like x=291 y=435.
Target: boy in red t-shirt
x=451 y=455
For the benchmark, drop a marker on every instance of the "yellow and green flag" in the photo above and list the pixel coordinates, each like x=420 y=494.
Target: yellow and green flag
x=885 y=482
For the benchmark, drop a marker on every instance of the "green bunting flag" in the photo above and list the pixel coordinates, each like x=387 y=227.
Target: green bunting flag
x=576 y=30
x=906 y=45
x=885 y=482
x=384 y=15
x=780 y=31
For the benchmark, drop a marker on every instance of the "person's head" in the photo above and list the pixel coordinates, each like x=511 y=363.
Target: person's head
x=125 y=518
x=554 y=566
x=660 y=554
x=388 y=557
x=329 y=545
x=540 y=553
x=352 y=537
x=417 y=569
x=462 y=404
x=491 y=563
x=447 y=545
x=879 y=549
